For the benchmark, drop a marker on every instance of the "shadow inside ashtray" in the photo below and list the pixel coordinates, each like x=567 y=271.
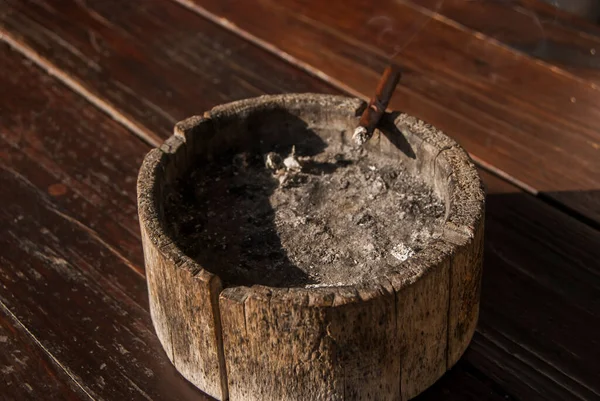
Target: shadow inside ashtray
x=394 y=135
x=220 y=214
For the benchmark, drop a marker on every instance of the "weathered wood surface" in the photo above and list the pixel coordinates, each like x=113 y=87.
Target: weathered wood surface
x=144 y=62
x=71 y=271
x=510 y=112
x=506 y=109
x=390 y=339
x=537 y=30
x=553 y=258
x=26 y=371
x=37 y=143
x=183 y=297
x=490 y=98
x=534 y=343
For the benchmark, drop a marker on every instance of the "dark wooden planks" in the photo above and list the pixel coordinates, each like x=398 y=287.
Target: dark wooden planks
x=548 y=11
x=69 y=153
x=149 y=64
x=69 y=284
x=511 y=112
x=463 y=382
x=26 y=371
x=51 y=261
x=540 y=312
x=513 y=358
x=102 y=338
x=565 y=42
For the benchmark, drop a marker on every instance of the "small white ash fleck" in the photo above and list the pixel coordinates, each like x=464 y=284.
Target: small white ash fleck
x=273 y=161
x=7 y=369
x=420 y=237
x=282 y=179
x=377 y=187
x=291 y=162
x=402 y=252
x=323 y=285
x=360 y=135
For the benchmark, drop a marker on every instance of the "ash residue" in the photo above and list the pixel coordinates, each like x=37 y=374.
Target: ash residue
x=285 y=220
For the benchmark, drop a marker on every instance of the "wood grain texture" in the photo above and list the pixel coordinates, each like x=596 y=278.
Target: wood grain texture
x=148 y=64
x=183 y=296
x=557 y=38
x=539 y=309
x=509 y=111
x=27 y=372
x=63 y=272
x=74 y=168
x=65 y=165
x=539 y=369
x=328 y=345
x=525 y=349
x=419 y=319
x=387 y=339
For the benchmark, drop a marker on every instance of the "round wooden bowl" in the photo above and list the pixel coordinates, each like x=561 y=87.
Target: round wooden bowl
x=388 y=339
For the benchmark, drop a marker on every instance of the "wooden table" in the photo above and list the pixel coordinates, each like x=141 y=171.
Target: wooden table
x=88 y=87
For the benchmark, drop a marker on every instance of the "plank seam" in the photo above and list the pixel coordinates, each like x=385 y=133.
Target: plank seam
x=479 y=35
x=544 y=373
x=569 y=211
x=154 y=140
x=263 y=44
x=449 y=313
x=150 y=138
x=313 y=71
x=95 y=235
x=15 y=319
x=138 y=130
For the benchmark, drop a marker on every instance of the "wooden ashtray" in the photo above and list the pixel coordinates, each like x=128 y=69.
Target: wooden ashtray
x=288 y=311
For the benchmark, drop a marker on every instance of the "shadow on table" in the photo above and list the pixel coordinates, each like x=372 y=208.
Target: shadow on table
x=540 y=305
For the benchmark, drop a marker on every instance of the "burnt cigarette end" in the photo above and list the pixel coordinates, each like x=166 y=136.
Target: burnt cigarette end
x=377 y=105
x=360 y=135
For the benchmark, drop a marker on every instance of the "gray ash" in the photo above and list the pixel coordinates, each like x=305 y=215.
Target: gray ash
x=331 y=219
